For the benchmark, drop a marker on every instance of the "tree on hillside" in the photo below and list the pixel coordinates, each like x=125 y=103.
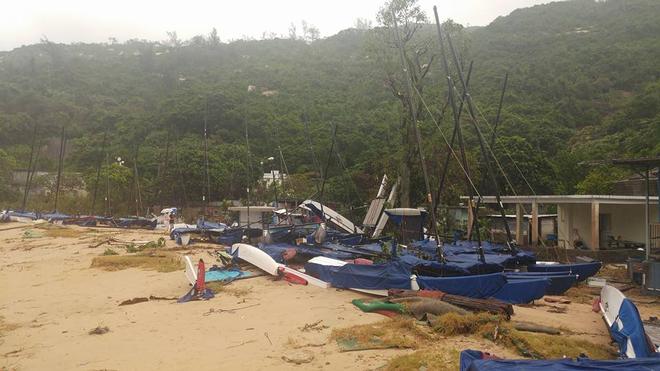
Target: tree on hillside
x=214 y=39
x=310 y=32
x=416 y=50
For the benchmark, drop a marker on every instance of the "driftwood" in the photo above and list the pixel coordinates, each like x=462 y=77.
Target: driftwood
x=551 y=299
x=532 y=327
x=133 y=301
x=143 y=299
x=554 y=309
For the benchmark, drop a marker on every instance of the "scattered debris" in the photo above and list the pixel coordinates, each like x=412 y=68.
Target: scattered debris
x=232 y=310
x=553 y=309
x=99 y=330
x=551 y=299
x=267 y=337
x=399 y=332
x=133 y=301
x=316 y=326
x=241 y=344
x=532 y=327
x=143 y=299
x=31 y=233
x=158 y=261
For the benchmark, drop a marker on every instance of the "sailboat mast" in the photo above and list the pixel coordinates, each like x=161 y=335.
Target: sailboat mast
x=480 y=137
x=59 y=166
x=29 y=169
x=418 y=136
x=98 y=173
x=207 y=195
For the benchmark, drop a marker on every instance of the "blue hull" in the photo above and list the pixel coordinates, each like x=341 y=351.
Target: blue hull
x=473 y=360
x=523 y=291
x=583 y=270
x=559 y=283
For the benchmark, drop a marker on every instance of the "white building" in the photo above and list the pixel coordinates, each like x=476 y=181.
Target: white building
x=597 y=221
x=273 y=176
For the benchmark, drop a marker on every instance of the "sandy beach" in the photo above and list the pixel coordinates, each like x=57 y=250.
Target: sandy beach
x=51 y=297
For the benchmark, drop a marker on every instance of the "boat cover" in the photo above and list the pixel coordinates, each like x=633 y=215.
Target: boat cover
x=474 y=360
x=276 y=250
x=559 y=283
x=522 y=291
x=431 y=268
x=583 y=270
x=464 y=250
x=23 y=214
x=136 y=223
x=55 y=215
x=477 y=286
x=628 y=330
x=392 y=275
x=212 y=226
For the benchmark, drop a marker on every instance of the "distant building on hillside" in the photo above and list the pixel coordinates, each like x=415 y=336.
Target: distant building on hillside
x=636 y=185
x=273 y=176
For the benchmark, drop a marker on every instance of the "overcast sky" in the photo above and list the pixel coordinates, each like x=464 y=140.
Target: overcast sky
x=24 y=22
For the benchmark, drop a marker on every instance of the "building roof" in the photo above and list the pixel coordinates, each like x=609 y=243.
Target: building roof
x=526 y=216
x=256 y=209
x=568 y=199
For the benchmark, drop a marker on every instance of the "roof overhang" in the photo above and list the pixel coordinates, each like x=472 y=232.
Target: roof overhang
x=568 y=199
x=256 y=209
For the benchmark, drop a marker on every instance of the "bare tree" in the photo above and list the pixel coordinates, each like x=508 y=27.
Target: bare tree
x=417 y=52
x=310 y=32
x=173 y=40
x=363 y=24
x=293 y=34
x=214 y=39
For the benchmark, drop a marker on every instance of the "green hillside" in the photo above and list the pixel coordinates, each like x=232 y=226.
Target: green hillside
x=583 y=86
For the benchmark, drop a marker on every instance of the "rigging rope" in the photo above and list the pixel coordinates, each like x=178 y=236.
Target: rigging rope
x=447 y=142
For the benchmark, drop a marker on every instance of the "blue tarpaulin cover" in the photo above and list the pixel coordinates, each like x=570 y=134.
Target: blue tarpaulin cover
x=225 y=275
x=431 y=268
x=392 y=275
x=632 y=329
x=477 y=286
x=522 y=291
x=583 y=270
x=55 y=215
x=23 y=214
x=473 y=360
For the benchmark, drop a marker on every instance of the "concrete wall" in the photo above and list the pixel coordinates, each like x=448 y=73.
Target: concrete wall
x=572 y=217
x=627 y=221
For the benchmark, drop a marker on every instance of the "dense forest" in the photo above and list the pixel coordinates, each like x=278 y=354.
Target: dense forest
x=583 y=88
